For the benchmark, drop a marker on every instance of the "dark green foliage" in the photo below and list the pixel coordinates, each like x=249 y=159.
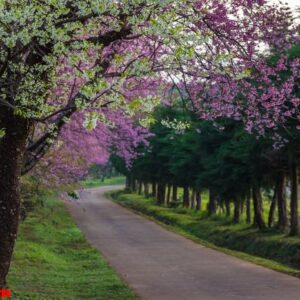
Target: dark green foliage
x=220 y=157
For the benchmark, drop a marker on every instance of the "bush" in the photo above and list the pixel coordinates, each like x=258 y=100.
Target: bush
x=73 y=195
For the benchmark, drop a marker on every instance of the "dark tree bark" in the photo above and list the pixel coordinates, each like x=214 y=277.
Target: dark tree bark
x=198 y=201
x=258 y=208
x=174 y=193
x=128 y=183
x=294 y=230
x=161 y=193
x=154 y=190
x=146 y=189
x=242 y=206
x=212 y=203
x=186 y=197
x=237 y=210
x=227 y=208
x=12 y=149
x=133 y=185
x=168 y=194
x=272 y=209
x=281 y=202
x=164 y=193
x=193 y=199
x=140 y=187
x=248 y=208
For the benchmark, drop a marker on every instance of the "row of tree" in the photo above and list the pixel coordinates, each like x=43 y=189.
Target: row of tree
x=88 y=62
x=237 y=168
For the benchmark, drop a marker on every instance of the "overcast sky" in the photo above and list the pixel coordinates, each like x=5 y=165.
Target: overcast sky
x=292 y=3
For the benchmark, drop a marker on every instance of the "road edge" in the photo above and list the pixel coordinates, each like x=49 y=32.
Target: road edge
x=263 y=262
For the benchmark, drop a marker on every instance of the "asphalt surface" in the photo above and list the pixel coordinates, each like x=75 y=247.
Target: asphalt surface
x=160 y=265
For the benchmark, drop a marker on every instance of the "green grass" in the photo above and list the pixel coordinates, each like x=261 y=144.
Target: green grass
x=52 y=260
x=269 y=248
x=91 y=182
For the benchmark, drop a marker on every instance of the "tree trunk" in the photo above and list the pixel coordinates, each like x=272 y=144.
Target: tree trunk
x=128 y=183
x=281 y=203
x=169 y=194
x=227 y=208
x=198 y=201
x=193 y=199
x=294 y=197
x=248 y=208
x=237 y=210
x=161 y=192
x=133 y=185
x=12 y=149
x=272 y=209
x=174 y=193
x=258 y=209
x=212 y=205
x=186 y=197
x=140 y=187
x=154 y=191
x=242 y=204
x=146 y=189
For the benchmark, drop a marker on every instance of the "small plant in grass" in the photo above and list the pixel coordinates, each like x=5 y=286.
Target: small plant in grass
x=73 y=195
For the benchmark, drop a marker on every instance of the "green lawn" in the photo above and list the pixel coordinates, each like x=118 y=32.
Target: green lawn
x=90 y=182
x=52 y=260
x=269 y=248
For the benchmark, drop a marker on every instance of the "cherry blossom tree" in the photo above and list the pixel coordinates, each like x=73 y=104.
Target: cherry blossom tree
x=78 y=148
x=61 y=59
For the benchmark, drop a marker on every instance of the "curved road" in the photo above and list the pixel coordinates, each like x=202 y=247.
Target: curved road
x=160 y=265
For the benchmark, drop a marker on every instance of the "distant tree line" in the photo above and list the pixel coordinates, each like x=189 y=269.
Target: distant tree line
x=103 y=171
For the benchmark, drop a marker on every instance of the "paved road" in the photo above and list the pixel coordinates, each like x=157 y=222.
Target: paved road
x=160 y=265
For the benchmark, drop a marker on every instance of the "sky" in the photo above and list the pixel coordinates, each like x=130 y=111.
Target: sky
x=291 y=3
x=294 y=4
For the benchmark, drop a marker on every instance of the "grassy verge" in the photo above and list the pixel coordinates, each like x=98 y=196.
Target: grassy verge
x=52 y=260
x=90 y=182
x=269 y=248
